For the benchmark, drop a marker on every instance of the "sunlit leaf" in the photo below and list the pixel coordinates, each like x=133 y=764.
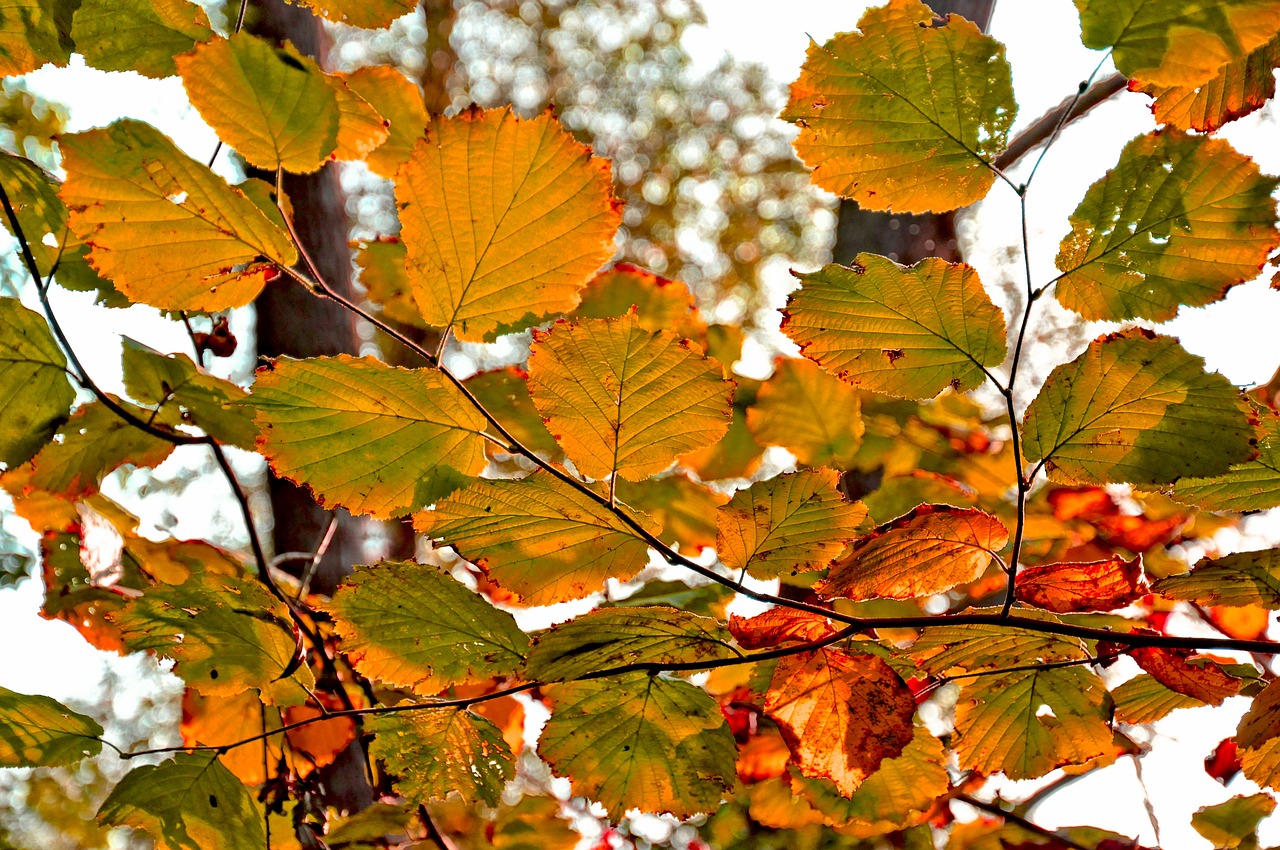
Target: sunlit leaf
x=1176 y=42
x=1236 y=89
x=361 y=128
x=791 y=523
x=986 y=646
x=138 y=35
x=36 y=731
x=1178 y=221
x=778 y=625
x=1233 y=823
x=737 y=455
x=505 y=220
x=1250 y=486
x=1088 y=586
x=810 y=413
x=1143 y=699
x=92 y=443
x=158 y=379
x=165 y=229
x=1242 y=578
x=534 y=823
x=36 y=392
x=1026 y=723
x=398 y=101
x=614 y=637
x=1136 y=407
x=505 y=394
x=367 y=14
x=904 y=115
x=1187 y=673
x=841 y=714
x=685 y=509
x=909 y=332
x=413 y=626
x=32 y=32
x=661 y=304
x=1258 y=738
x=271 y=104
x=622 y=399
x=41 y=213
x=640 y=741
x=438 y=753
x=930 y=550
x=372 y=438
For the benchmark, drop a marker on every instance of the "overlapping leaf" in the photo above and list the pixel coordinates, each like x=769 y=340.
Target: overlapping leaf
x=791 y=523
x=1187 y=673
x=271 y=104
x=1258 y=738
x=397 y=100
x=190 y=803
x=35 y=394
x=1179 y=221
x=157 y=379
x=36 y=731
x=1143 y=699
x=1242 y=578
x=983 y=646
x=908 y=332
x=1250 y=486
x=138 y=35
x=779 y=624
x=413 y=626
x=904 y=115
x=808 y=412
x=93 y=442
x=661 y=304
x=1236 y=89
x=929 y=550
x=439 y=753
x=1136 y=407
x=361 y=128
x=367 y=14
x=505 y=220
x=685 y=509
x=640 y=741
x=1088 y=586
x=372 y=438
x=621 y=399
x=33 y=32
x=164 y=228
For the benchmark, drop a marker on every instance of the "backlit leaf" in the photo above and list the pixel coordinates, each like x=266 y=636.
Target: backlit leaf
x=93 y=442
x=1143 y=699
x=1026 y=723
x=413 y=626
x=791 y=523
x=32 y=32
x=165 y=229
x=640 y=741
x=1088 y=586
x=190 y=803
x=909 y=332
x=779 y=624
x=537 y=537
x=1234 y=822
x=1182 y=671
x=1250 y=486
x=438 y=753
x=1258 y=737
x=929 y=550
x=138 y=35
x=36 y=731
x=1136 y=407
x=361 y=128
x=985 y=646
x=1176 y=42
x=904 y=115
x=621 y=399
x=737 y=455
x=661 y=304
x=367 y=14
x=41 y=213
x=36 y=393
x=613 y=637
x=271 y=104
x=398 y=101
x=810 y=413
x=505 y=394
x=383 y=275
x=685 y=509
x=1242 y=578
x=1179 y=220
x=841 y=714
x=159 y=379
x=505 y=220
x=1236 y=89
x=372 y=438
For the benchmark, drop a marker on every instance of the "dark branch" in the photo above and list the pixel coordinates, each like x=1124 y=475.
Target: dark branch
x=1047 y=125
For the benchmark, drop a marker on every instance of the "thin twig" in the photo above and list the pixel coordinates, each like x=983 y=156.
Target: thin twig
x=1049 y=124
x=433 y=833
x=1019 y=820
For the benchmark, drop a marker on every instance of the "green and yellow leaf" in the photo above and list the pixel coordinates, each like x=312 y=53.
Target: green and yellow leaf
x=158 y=379
x=1237 y=89
x=36 y=731
x=1250 y=486
x=138 y=35
x=32 y=33
x=1242 y=578
x=440 y=753
x=361 y=128
x=1235 y=822
x=36 y=392
x=1143 y=699
x=983 y=646
x=92 y=443
x=807 y=411
x=685 y=509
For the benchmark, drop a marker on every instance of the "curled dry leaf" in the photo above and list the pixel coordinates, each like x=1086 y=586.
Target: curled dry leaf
x=1088 y=586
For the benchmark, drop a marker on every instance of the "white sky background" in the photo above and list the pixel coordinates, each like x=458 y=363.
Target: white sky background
x=1236 y=336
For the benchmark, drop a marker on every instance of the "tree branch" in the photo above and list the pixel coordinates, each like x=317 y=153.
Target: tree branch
x=1047 y=126
x=1019 y=820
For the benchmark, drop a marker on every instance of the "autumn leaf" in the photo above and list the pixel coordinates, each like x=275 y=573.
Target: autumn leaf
x=621 y=399
x=1253 y=485
x=1178 y=221
x=437 y=753
x=904 y=115
x=841 y=714
x=779 y=624
x=361 y=128
x=808 y=412
x=138 y=35
x=34 y=32
x=1234 y=822
x=985 y=646
x=1151 y=416
x=41 y=214
x=504 y=219
x=1143 y=699
x=505 y=395
x=909 y=332
x=929 y=550
x=1187 y=673
x=397 y=100
x=157 y=379
x=367 y=14
x=660 y=304
x=1258 y=738
x=685 y=509
x=1088 y=586
x=383 y=276
x=33 y=378
x=36 y=731
x=1236 y=89
x=373 y=438
x=1242 y=578
x=640 y=741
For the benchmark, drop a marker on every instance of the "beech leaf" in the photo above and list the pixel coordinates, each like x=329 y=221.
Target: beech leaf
x=1235 y=822
x=366 y=14
x=397 y=99
x=138 y=35
x=1237 y=89
x=1250 y=486
x=1187 y=673
x=33 y=33
x=985 y=646
x=441 y=753
x=810 y=413
x=1242 y=578
x=1143 y=699
x=779 y=624
x=93 y=442
x=33 y=382
x=1087 y=586
x=36 y=731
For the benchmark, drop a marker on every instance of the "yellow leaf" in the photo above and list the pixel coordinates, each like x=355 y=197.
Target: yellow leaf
x=1236 y=89
x=366 y=14
x=399 y=102
x=361 y=128
x=809 y=412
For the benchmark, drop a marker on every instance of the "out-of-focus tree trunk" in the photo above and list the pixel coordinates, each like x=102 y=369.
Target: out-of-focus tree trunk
x=439 y=15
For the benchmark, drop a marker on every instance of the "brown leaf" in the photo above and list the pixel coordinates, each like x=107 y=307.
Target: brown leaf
x=1090 y=586
x=778 y=625
x=1187 y=673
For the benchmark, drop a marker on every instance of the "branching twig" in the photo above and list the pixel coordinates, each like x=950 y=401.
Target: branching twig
x=1051 y=123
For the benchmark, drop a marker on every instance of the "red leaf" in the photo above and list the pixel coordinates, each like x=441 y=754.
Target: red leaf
x=1187 y=673
x=1090 y=586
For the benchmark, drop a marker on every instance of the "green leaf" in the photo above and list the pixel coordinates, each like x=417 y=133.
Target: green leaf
x=372 y=438
x=1231 y=823
x=33 y=32
x=986 y=646
x=812 y=414
x=791 y=523
x=621 y=399
x=537 y=537
x=613 y=637
x=1135 y=407
x=1250 y=486
x=92 y=443
x=441 y=753
x=190 y=803
x=910 y=332
x=413 y=626
x=640 y=742
x=1176 y=42
x=271 y=104
x=159 y=379
x=367 y=14
x=41 y=213
x=36 y=393
x=505 y=220
x=165 y=229
x=138 y=35
x=505 y=394
x=36 y=731
x=1237 y=89
x=1026 y=723
x=1143 y=699
x=904 y=115
x=1179 y=221
x=1243 y=578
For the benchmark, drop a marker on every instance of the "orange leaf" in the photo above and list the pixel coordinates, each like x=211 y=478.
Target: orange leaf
x=322 y=741
x=1187 y=673
x=763 y=756
x=1089 y=586
x=778 y=625
x=1245 y=622
x=840 y=714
